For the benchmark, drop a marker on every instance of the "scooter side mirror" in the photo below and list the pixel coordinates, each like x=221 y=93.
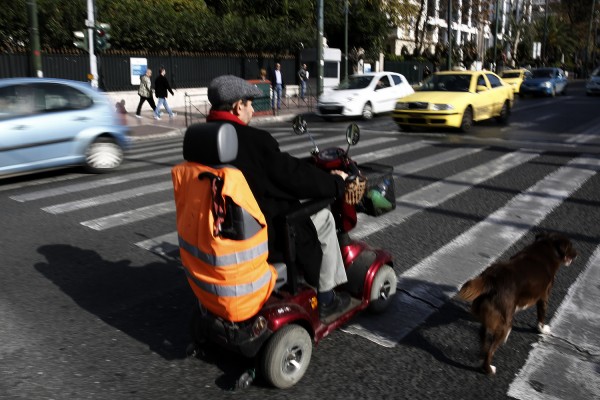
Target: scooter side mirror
x=352 y=134
x=299 y=125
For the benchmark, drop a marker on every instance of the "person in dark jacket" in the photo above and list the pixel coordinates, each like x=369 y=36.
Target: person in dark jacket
x=161 y=86
x=278 y=181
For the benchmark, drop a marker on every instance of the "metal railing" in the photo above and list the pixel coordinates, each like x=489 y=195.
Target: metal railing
x=196 y=108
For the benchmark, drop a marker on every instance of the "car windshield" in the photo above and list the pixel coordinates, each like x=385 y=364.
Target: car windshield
x=515 y=74
x=355 y=82
x=447 y=83
x=542 y=73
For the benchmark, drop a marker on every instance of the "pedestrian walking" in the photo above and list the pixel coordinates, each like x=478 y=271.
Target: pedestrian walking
x=303 y=78
x=278 y=86
x=161 y=87
x=145 y=92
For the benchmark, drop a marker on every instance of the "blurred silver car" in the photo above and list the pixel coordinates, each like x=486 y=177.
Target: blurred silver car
x=592 y=86
x=53 y=123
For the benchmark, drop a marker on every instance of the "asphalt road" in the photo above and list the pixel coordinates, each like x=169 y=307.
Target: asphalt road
x=94 y=303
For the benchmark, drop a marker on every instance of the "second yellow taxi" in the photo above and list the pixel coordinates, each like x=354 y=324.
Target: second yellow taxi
x=515 y=77
x=455 y=99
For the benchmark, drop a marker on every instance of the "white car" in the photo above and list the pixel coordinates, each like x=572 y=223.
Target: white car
x=364 y=95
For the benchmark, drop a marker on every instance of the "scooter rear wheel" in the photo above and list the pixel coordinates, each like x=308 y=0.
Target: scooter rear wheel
x=286 y=356
x=382 y=289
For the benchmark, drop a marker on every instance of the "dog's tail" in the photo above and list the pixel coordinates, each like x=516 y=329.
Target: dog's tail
x=473 y=289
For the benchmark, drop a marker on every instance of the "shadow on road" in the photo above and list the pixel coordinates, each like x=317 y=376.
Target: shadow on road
x=151 y=303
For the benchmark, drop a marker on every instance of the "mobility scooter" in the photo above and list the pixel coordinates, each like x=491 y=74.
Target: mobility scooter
x=281 y=335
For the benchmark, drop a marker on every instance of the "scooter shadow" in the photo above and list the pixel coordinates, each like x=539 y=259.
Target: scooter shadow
x=151 y=303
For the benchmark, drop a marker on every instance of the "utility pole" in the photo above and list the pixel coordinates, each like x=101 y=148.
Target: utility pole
x=320 y=61
x=449 y=60
x=545 y=33
x=496 y=36
x=346 y=39
x=90 y=24
x=587 y=46
x=34 y=40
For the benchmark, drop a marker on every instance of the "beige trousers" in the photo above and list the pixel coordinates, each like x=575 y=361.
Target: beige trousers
x=332 y=271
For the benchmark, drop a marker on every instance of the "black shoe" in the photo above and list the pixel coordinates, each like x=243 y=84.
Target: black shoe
x=339 y=303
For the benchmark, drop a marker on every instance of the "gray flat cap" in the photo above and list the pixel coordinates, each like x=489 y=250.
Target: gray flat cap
x=227 y=89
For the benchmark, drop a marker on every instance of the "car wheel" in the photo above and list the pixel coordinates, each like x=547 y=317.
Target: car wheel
x=504 y=114
x=286 y=356
x=367 y=112
x=467 y=120
x=382 y=289
x=103 y=155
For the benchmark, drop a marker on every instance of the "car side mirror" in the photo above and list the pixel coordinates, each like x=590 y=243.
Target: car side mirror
x=481 y=88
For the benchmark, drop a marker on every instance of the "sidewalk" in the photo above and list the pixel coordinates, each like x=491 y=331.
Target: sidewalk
x=147 y=127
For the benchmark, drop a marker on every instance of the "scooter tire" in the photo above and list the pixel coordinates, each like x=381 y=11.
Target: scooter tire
x=286 y=356
x=382 y=289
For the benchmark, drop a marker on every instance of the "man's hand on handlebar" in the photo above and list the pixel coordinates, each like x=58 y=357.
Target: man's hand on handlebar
x=340 y=173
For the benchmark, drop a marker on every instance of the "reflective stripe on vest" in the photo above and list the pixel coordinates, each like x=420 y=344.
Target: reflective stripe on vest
x=234 y=290
x=228 y=259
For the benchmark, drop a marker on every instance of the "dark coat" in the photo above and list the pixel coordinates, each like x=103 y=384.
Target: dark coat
x=277 y=181
x=274 y=80
x=161 y=86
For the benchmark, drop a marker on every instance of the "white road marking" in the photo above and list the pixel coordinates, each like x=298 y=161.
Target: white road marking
x=390 y=151
x=574 y=345
x=428 y=285
x=108 y=198
x=439 y=192
x=163 y=245
x=130 y=216
x=77 y=187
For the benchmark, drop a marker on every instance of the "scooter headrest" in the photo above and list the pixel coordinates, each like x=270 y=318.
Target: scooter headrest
x=210 y=143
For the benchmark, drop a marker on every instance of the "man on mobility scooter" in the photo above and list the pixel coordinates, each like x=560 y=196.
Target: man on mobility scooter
x=230 y=274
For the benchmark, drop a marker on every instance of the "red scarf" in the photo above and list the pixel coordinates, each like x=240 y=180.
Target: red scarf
x=223 y=116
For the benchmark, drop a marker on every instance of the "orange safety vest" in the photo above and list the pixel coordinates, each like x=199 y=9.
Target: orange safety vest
x=231 y=278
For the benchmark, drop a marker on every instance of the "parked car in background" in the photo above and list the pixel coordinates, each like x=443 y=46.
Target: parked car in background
x=592 y=86
x=548 y=81
x=514 y=77
x=51 y=123
x=364 y=95
x=455 y=99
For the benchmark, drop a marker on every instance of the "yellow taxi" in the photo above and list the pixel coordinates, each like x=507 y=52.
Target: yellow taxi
x=514 y=77
x=455 y=99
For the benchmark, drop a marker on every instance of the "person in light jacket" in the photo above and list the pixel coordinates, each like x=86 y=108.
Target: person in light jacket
x=145 y=92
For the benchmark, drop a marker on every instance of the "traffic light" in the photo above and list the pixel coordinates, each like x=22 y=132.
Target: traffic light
x=101 y=36
x=81 y=40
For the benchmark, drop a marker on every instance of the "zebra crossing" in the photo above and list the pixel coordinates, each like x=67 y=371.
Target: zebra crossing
x=424 y=287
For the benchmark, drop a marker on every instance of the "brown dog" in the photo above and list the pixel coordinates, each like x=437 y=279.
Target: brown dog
x=509 y=286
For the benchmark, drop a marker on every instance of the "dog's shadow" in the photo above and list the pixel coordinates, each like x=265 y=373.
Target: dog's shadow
x=151 y=303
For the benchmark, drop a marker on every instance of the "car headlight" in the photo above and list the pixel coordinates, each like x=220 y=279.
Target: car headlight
x=547 y=84
x=441 y=107
x=401 y=106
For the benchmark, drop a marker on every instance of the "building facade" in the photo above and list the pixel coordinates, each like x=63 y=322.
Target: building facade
x=471 y=21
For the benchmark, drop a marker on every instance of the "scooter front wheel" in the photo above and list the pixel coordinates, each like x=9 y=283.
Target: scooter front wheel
x=286 y=356
x=382 y=289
